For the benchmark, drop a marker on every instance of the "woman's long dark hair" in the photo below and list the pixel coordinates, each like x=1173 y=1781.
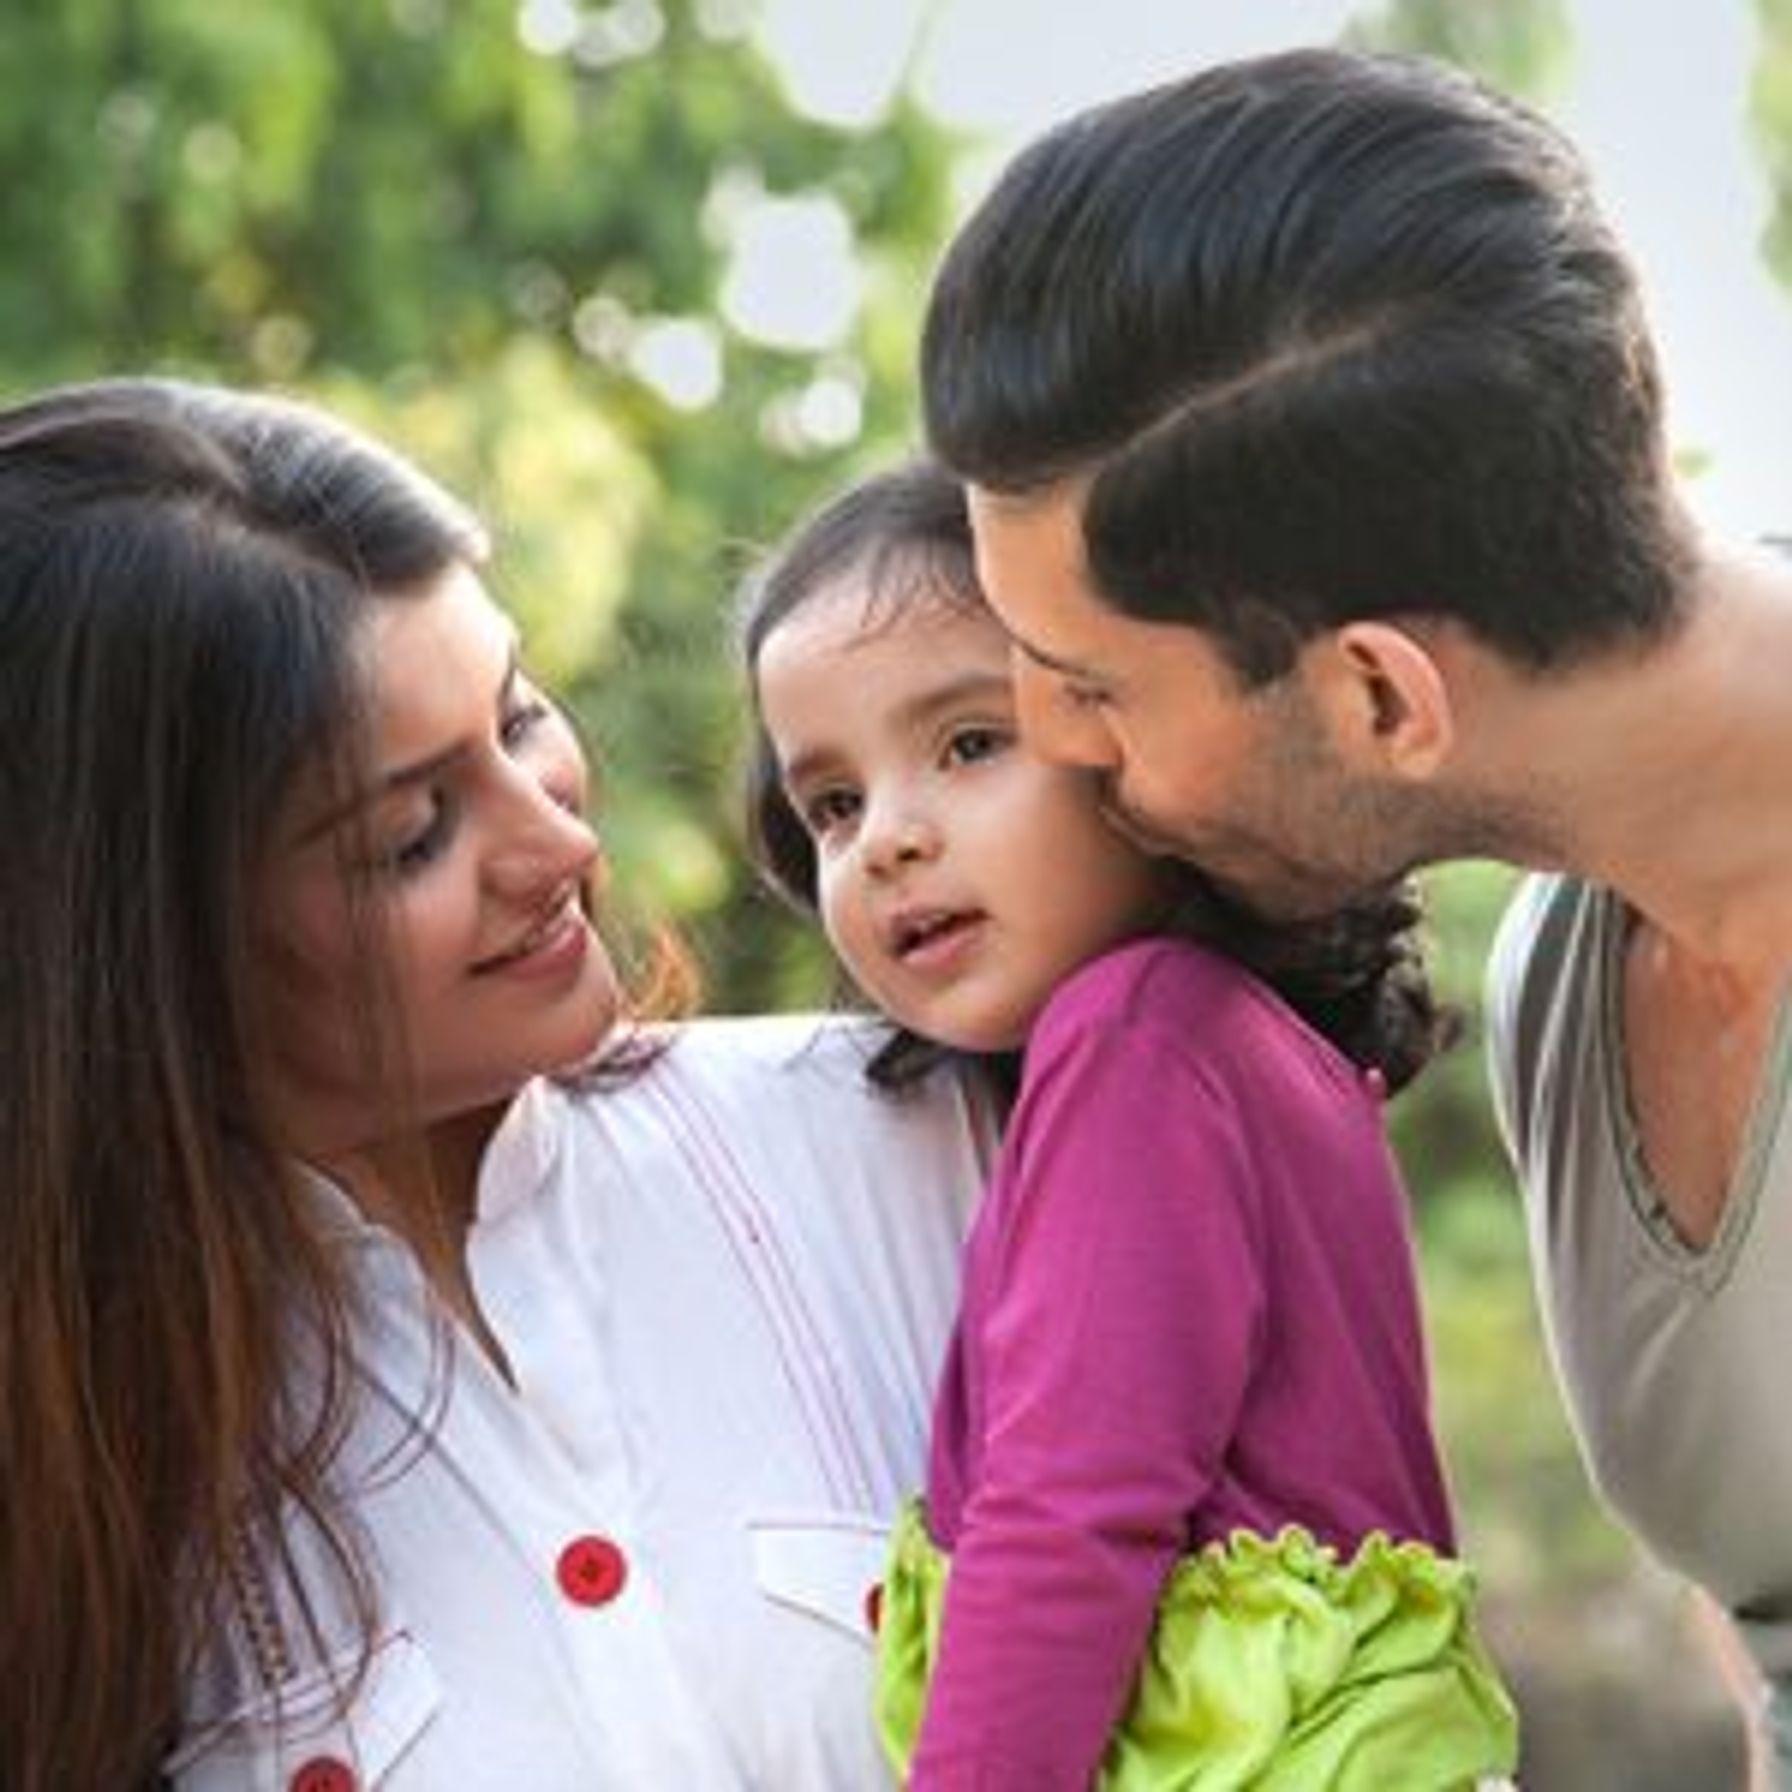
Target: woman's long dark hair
x=904 y=536
x=183 y=576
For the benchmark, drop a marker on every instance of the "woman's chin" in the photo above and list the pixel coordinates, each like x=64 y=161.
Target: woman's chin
x=588 y=1038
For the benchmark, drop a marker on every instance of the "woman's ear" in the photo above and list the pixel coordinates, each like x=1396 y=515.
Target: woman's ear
x=1386 y=698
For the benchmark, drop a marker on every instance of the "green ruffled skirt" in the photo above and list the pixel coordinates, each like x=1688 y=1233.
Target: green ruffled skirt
x=1272 y=1665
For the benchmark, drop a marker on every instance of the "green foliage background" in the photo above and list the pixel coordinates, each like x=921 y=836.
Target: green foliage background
x=401 y=208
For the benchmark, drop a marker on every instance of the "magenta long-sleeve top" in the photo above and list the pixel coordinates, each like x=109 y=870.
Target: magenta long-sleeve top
x=1189 y=1309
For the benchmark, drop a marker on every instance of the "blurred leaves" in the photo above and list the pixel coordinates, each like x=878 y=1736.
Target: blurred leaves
x=1521 y=46
x=501 y=235
x=1771 y=126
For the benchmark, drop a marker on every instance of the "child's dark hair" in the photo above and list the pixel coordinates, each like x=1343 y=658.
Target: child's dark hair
x=904 y=536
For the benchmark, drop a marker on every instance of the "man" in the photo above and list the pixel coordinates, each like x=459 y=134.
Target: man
x=1314 y=440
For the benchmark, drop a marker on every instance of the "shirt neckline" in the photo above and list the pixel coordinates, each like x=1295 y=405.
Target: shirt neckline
x=518 y=1158
x=1710 y=1264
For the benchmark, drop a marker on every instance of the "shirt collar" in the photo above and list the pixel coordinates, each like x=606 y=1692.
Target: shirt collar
x=519 y=1158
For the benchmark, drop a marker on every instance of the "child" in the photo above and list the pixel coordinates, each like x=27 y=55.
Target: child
x=1181 y=1470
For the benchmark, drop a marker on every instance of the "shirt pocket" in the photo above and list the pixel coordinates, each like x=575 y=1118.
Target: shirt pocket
x=829 y=1566
x=305 y=1742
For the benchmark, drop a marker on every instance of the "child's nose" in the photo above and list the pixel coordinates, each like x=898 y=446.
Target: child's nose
x=898 y=836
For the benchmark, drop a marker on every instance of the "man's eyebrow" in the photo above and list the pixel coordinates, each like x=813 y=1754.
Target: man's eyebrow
x=1050 y=661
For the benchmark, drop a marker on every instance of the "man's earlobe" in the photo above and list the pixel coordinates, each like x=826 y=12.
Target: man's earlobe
x=1394 y=699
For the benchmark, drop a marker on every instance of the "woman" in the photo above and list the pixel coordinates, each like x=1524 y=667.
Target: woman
x=387 y=1401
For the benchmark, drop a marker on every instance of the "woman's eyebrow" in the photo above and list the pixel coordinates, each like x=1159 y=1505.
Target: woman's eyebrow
x=415 y=771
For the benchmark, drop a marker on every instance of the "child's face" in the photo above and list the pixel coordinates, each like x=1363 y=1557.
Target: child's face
x=960 y=878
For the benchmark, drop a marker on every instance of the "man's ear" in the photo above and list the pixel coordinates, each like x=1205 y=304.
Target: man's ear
x=1385 y=697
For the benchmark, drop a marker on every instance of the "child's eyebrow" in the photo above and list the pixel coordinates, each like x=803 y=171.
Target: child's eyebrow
x=969 y=687
x=915 y=712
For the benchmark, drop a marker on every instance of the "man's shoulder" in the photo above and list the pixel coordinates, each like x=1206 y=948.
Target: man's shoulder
x=1545 y=997
x=1549 y=927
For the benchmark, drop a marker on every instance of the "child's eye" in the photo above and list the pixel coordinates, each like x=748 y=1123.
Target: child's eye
x=824 y=810
x=977 y=741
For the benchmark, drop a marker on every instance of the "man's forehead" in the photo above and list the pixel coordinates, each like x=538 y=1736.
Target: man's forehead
x=1031 y=562
x=1048 y=514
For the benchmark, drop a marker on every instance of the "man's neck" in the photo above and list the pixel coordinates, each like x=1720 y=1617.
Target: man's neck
x=1668 y=775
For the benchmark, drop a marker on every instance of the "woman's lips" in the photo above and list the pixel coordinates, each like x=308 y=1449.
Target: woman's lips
x=555 y=944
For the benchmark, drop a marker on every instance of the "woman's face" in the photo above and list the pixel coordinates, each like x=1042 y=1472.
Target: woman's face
x=472 y=849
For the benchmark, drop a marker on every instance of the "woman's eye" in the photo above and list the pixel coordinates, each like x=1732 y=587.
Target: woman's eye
x=411 y=852
x=969 y=745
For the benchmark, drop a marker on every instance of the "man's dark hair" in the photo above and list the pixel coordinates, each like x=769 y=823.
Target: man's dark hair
x=1328 y=336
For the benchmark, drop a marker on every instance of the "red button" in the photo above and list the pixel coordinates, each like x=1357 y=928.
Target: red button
x=874 y=1607
x=591 y=1570
x=323 y=1773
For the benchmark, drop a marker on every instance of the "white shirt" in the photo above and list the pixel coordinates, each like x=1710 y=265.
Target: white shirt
x=723 y=1290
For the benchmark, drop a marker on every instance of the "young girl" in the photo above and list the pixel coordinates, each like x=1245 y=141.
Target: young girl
x=1185 y=1524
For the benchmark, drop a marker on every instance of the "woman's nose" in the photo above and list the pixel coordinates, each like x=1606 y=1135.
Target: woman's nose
x=545 y=839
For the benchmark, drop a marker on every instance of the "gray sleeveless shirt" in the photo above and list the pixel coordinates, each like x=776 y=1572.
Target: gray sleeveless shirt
x=1676 y=1362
